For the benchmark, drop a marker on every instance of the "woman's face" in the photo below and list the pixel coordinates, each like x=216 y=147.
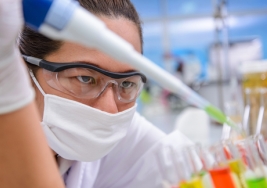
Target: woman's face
x=70 y=52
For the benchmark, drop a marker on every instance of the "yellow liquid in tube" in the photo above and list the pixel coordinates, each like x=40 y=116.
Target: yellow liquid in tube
x=254 y=80
x=238 y=168
x=193 y=183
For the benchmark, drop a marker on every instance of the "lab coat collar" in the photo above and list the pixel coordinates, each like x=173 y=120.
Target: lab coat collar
x=64 y=165
x=82 y=174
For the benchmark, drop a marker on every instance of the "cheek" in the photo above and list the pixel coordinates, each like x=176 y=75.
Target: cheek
x=92 y=102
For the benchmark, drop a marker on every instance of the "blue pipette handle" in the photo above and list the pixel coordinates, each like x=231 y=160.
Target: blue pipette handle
x=55 y=13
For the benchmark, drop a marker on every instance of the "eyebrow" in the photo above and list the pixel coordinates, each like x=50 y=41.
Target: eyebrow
x=90 y=63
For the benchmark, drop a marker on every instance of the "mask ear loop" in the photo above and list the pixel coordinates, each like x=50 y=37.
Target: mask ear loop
x=36 y=82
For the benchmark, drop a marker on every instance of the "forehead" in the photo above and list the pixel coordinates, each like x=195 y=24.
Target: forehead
x=71 y=52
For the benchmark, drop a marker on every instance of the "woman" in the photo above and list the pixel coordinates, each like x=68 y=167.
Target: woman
x=87 y=105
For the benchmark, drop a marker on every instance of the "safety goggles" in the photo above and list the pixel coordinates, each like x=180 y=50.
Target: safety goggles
x=83 y=80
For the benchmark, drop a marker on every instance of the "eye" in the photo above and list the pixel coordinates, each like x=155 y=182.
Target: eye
x=86 y=79
x=127 y=84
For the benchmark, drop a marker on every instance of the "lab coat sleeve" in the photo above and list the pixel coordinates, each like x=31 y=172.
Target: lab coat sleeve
x=153 y=171
x=131 y=163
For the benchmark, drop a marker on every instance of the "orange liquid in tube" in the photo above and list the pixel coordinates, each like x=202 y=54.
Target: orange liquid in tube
x=222 y=178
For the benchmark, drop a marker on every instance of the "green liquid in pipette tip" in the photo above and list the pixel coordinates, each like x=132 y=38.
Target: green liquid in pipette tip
x=257 y=183
x=221 y=117
x=216 y=114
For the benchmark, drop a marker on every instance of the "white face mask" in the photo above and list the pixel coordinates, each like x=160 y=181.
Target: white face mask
x=79 y=132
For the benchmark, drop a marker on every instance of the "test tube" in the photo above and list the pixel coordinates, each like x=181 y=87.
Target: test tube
x=207 y=161
x=262 y=92
x=194 y=161
x=262 y=148
x=189 y=164
x=219 y=170
x=167 y=167
x=255 y=175
x=246 y=116
x=235 y=162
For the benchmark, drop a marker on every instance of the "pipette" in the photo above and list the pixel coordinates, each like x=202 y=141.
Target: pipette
x=66 y=20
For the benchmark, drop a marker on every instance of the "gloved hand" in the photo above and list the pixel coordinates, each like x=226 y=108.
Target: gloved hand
x=15 y=87
x=11 y=22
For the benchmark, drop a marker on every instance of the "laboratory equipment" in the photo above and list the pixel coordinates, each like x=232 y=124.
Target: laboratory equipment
x=261 y=147
x=246 y=114
x=255 y=175
x=235 y=161
x=254 y=86
x=167 y=167
x=189 y=168
x=219 y=169
x=231 y=164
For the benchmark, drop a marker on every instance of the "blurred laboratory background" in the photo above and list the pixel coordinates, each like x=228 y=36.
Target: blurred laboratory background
x=218 y=48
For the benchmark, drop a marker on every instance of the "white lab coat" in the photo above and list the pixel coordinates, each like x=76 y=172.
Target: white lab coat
x=130 y=164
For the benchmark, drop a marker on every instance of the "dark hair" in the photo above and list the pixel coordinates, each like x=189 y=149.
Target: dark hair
x=34 y=44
